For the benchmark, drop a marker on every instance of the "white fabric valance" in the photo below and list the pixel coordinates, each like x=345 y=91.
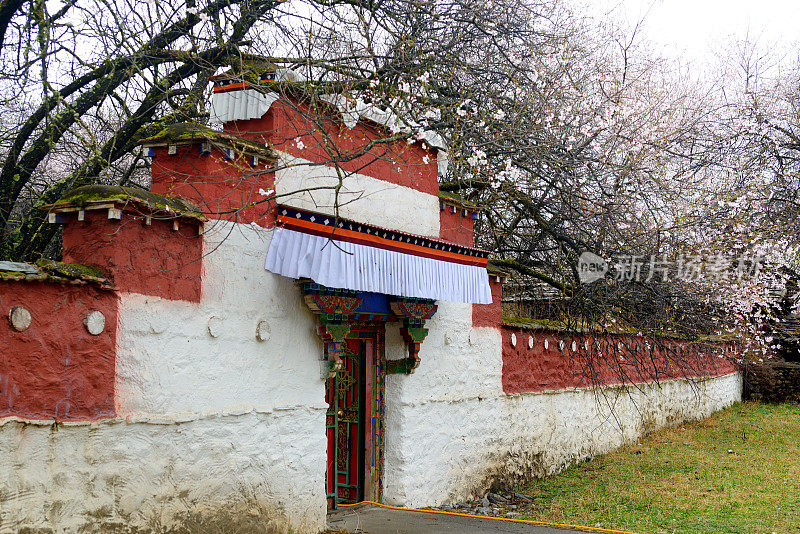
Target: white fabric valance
x=241 y=104
x=360 y=267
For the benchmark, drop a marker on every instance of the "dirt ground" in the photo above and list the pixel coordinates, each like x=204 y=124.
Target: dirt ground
x=371 y=519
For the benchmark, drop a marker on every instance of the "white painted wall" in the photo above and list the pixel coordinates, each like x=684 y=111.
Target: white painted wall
x=451 y=431
x=362 y=198
x=150 y=472
x=199 y=417
x=207 y=420
x=168 y=361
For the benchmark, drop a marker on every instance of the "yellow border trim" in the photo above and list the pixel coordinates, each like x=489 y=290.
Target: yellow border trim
x=528 y=521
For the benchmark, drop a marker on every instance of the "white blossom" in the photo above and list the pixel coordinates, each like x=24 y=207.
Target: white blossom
x=477 y=158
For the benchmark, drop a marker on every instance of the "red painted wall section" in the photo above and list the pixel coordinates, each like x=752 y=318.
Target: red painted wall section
x=490 y=314
x=56 y=369
x=287 y=127
x=456 y=225
x=555 y=367
x=224 y=189
x=151 y=260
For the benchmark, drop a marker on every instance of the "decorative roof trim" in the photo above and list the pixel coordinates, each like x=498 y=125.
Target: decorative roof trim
x=352 y=111
x=365 y=267
x=450 y=199
x=231 y=85
x=187 y=134
x=238 y=101
x=366 y=234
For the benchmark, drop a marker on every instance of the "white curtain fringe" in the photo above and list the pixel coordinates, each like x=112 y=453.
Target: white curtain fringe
x=346 y=265
x=243 y=104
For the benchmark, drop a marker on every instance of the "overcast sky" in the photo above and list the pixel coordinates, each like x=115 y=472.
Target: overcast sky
x=696 y=29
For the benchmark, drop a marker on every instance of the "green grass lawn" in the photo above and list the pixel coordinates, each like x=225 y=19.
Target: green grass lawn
x=737 y=472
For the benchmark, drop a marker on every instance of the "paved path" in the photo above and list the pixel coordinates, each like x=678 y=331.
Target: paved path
x=371 y=519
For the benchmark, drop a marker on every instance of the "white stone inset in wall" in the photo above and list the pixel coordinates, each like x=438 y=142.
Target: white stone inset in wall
x=214 y=326
x=95 y=322
x=20 y=318
x=262 y=331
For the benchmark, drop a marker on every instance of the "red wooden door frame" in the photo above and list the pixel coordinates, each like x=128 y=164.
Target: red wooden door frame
x=370 y=344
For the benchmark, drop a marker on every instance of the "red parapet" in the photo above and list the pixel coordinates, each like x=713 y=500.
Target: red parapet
x=147 y=243
x=291 y=127
x=59 y=350
x=228 y=177
x=456 y=220
x=236 y=188
x=542 y=360
x=490 y=314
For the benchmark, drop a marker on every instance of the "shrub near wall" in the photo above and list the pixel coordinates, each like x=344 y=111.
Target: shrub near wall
x=772 y=382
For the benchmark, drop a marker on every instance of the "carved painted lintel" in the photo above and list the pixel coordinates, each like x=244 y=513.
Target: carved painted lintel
x=338 y=310
x=335 y=305
x=413 y=309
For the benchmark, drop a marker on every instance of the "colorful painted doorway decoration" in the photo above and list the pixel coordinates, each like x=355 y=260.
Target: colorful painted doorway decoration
x=353 y=324
x=357 y=277
x=340 y=309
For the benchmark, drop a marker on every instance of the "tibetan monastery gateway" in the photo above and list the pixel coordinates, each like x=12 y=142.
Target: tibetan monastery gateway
x=208 y=348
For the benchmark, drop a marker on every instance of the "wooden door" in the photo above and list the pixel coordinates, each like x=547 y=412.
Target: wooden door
x=345 y=420
x=354 y=421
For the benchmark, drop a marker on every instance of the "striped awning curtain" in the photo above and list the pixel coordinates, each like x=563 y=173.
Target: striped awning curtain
x=344 y=254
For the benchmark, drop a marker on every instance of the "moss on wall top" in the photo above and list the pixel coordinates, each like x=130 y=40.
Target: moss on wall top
x=253 y=68
x=494 y=270
x=91 y=194
x=454 y=199
x=190 y=133
x=71 y=270
x=58 y=271
x=573 y=328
